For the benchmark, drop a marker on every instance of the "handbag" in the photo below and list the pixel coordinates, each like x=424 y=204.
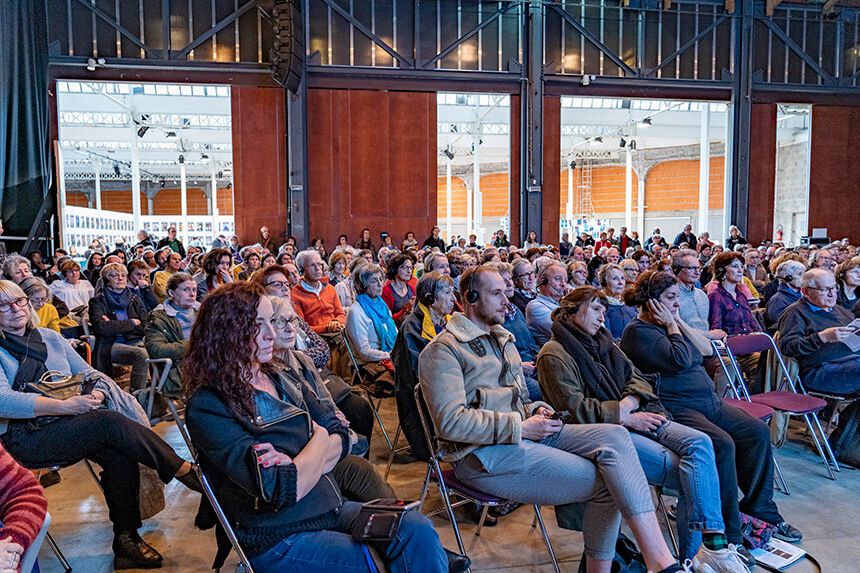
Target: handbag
x=59 y=386
x=377 y=380
x=627 y=558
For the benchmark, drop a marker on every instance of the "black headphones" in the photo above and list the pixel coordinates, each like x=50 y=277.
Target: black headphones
x=429 y=298
x=472 y=296
x=543 y=281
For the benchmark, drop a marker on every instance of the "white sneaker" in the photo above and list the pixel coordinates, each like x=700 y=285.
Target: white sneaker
x=719 y=561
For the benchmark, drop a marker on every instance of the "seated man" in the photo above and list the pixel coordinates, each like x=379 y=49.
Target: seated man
x=138 y=283
x=159 y=279
x=316 y=301
x=812 y=330
x=501 y=443
x=552 y=285
x=693 y=300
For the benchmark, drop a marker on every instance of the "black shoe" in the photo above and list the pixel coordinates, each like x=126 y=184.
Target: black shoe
x=190 y=480
x=206 y=517
x=473 y=512
x=787 y=533
x=746 y=556
x=132 y=552
x=48 y=479
x=457 y=563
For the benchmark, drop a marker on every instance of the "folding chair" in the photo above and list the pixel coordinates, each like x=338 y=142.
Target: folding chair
x=448 y=485
x=786 y=397
x=370 y=397
x=661 y=504
x=160 y=369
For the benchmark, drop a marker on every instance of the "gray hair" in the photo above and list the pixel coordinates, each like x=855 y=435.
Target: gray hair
x=813 y=256
x=428 y=260
x=501 y=267
x=32 y=285
x=811 y=277
x=678 y=258
x=303 y=259
x=431 y=283
x=518 y=265
x=361 y=276
x=11 y=263
x=546 y=267
x=603 y=273
x=787 y=268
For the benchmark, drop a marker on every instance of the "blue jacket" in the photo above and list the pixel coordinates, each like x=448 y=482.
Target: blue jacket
x=617 y=317
x=525 y=342
x=785 y=296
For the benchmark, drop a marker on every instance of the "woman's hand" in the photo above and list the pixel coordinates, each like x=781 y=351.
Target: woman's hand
x=79 y=404
x=10 y=555
x=643 y=421
x=268 y=456
x=661 y=315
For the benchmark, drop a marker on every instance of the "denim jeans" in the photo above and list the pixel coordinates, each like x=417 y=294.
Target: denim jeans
x=416 y=548
x=682 y=459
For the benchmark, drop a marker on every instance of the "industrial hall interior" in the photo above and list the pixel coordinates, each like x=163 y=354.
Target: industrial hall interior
x=429 y=286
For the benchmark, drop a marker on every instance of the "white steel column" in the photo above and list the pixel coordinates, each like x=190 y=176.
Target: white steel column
x=183 y=190
x=628 y=190
x=214 y=200
x=640 y=211
x=568 y=208
x=135 y=177
x=97 y=169
x=449 y=216
x=475 y=199
x=704 y=168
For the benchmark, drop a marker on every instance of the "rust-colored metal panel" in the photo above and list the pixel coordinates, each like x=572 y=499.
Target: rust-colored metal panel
x=762 y=172
x=551 y=169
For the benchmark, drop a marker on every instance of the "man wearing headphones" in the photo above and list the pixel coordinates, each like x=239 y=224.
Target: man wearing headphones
x=789 y=274
x=552 y=286
x=694 y=302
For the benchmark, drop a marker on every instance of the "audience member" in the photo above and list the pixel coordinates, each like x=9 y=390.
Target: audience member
x=789 y=274
x=631 y=271
x=531 y=242
x=250 y=263
x=434 y=241
x=23 y=509
x=603 y=242
x=613 y=285
x=366 y=243
x=369 y=325
x=160 y=278
x=16 y=269
x=686 y=236
x=524 y=284
x=40 y=431
x=72 y=290
x=694 y=304
x=227 y=387
x=847 y=276
x=565 y=246
x=344 y=289
x=337 y=265
x=552 y=285
x=40 y=299
x=577 y=274
x=409 y=242
x=658 y=341
x=315 y=301
x=754 y=270
x=583 y=372
x=503 y=445
x=398 y=293
x=172 y=242
x=822 y=259
x=138 y=283
x=118 y=318
x=735 y=238
x=656 y=239
x=216 y=272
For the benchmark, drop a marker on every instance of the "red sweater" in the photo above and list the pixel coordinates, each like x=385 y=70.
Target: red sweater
x=318 y=310
x=22 y=502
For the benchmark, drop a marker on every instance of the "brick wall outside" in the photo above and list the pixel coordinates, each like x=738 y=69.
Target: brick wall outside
x=166 y=202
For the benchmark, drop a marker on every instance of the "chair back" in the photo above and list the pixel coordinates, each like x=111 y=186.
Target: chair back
x=730 y=370
x=427 y=423
x=760 y=342
x=748 y=343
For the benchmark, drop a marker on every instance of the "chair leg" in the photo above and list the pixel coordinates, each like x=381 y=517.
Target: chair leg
x=443 y=491
x=243 y=559
x=393 y=451
x=781 y=484
x=482 y=520
x=94 y=474
x=62 y=558
x=546 y=539
x=829 y=459
x=373 y=405
x=662 y=505
x=425 y=487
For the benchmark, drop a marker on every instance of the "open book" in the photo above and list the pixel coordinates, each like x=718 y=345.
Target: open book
x=778 y=554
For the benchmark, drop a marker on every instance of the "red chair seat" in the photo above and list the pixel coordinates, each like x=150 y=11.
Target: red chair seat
x=453 y=483
x=760 y=411
x=789 y=402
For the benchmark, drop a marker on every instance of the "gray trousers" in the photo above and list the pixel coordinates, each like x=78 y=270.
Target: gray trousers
x=592 y=463
x=133 y=355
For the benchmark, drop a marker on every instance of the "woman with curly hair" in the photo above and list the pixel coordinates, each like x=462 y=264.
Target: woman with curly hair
x=399 y=292
x=269 y=446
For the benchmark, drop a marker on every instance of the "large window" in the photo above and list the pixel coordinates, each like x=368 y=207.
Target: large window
x=791 y=192
x=474 y=145
x=144 y=157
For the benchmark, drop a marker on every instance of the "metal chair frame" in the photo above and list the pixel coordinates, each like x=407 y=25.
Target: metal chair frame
x=434 y=474
x=370 y=397
x=156 y=383
x=786 y=382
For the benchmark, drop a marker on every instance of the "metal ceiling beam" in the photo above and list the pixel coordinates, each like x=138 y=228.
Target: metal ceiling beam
x=181 y=54
x=459 y=41
x=118 y=27
x=810 y=61
x=367 y=32
x=594 y=40
x=653 y=72
x=769 y=5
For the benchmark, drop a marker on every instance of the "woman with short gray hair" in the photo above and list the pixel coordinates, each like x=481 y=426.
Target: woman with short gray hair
x=16 y=268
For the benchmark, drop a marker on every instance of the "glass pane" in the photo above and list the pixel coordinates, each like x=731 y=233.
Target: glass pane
x=791 y=190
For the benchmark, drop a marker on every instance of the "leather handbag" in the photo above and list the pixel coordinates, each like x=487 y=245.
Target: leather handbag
x=59 y=386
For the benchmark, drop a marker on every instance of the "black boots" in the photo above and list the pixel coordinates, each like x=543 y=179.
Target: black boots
x=132 y=552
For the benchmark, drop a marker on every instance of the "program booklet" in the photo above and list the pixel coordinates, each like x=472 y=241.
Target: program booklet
x=778 y=554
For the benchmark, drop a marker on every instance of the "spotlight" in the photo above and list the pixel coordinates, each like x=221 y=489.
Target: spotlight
x=622 y=142
x=645 y=122
x=448 y=153
x=573 y=165
x=142 y=131
x=170 y=135
x=93 y=63
x=116 y=170
x=597 y=139
x=633 y=145
x=181 y=159
x=204 y=158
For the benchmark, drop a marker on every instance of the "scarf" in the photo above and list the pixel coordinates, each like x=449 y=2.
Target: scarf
x=119 y=300
x=603 y=366
x=30 y=352
x=378 y=312
x=428 y=329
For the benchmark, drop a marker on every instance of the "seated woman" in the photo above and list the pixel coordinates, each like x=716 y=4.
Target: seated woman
x=371 y=330
x=398 y=293
x=848 y=281
x=268 y=446
x=659 y=342
x=582 y=371
x=138 y=283
x=631 y=271
x=251 y=262
x=435 y=296
x=72 y=290
x=23 y=509
x=169 y=328
x=577 y=274
x=42 y=302
x=216 y=271
x=39 y=431
x=16 y=269
x=92 y=272
x=118 y=320
x=618 y=314
x=643 y=259
x=337 y=265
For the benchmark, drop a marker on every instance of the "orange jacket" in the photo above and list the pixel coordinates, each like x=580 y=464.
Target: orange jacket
x=318 y=310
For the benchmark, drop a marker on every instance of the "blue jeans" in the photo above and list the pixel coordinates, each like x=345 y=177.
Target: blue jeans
x=415 y=548
x=680 y=458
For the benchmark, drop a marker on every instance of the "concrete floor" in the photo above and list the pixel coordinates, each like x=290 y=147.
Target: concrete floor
x=824 y=510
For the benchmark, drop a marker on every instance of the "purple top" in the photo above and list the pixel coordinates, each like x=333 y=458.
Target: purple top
x=734 y=316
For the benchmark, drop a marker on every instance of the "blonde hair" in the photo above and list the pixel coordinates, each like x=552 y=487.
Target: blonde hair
x=112 y=267
x=12 y=292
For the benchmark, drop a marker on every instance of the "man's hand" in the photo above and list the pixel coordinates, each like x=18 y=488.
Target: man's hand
x=643 y=421
x=716 y=334
x=528 y=368
x=333 y=326
x=538 y=426
x=835 y=334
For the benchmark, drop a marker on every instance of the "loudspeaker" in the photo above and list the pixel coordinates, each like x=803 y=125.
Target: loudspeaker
x=287 y=58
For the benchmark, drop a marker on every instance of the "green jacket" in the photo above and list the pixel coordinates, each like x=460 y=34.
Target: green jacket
x=561 y=385
x=164 y=339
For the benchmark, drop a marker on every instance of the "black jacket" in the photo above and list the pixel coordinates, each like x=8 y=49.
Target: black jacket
x=404 y=356
x=261 y=502
x=106 y=331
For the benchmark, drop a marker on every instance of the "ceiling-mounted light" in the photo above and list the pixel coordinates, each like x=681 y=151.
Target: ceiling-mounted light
x=170 y=135
x=181 y=159
x=116 y=170
x=622 y=142
x=573 y=165
x=597 y=139
x=93 y=63
x=448 y=153
x=204 y=158
x=645 y=122
x=142 y=131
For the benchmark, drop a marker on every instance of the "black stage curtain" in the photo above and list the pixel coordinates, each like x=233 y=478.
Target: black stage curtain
x=25 y=163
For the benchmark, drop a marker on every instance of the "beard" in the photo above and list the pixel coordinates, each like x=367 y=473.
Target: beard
x=490 y=318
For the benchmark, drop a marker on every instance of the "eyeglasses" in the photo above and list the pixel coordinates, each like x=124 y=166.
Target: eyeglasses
x=278 y=284
x=531 y=274
x=7 y=306
x=281 y=323
x=695 y=269
x=827 y=290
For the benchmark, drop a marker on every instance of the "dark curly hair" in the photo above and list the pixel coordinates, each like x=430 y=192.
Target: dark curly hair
x=648 y=286
x=212 y=259
x=225 y=366
x=394 y=265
